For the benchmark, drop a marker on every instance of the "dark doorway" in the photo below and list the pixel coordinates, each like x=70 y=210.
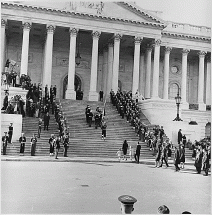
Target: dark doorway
x=77 y=87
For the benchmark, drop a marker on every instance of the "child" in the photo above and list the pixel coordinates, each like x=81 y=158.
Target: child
x=119 y=154
x=131 y=153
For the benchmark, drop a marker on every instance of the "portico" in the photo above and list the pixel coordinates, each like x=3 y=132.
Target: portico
x=112 y=51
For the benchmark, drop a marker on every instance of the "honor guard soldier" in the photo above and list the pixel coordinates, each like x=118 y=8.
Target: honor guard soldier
x=127 y=203
x=10 y=132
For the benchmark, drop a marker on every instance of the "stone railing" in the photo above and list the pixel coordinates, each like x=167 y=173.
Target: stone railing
x=190 y=27
x=193 y=106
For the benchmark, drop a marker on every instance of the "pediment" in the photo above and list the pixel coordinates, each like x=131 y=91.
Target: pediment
x=122 y=10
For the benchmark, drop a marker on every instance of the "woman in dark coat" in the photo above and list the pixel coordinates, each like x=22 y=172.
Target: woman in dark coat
x=176 y=159
x=124 y=149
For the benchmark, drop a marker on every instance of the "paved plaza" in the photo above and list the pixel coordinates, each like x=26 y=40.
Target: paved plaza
x=94 y=187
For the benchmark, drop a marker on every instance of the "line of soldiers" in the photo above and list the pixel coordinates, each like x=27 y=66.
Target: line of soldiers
x=128 y=107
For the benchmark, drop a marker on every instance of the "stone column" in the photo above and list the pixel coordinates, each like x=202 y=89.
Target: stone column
x=3 y=37
x=202 y=106
x=155 y=83
x=141 y=74
x=148 y=72
x=184 y=104
x=105 y=71
x=70 y=92
x=47 y=73
x=110 y=69
x=166 y=73
x=117 y=38
x=93 y=95
x=135 y=83
x=208 y=81
x=25 y=48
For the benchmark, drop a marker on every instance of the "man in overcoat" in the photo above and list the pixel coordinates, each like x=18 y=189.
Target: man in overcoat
x=5 y=140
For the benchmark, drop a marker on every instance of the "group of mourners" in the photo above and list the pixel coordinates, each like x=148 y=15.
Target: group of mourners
x=99 y=119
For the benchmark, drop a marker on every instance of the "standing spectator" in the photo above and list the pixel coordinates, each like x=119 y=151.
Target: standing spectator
x=22 y=141
x=158 y=156
x=46 y=121
x=104 y=127
x=10 y=132
x=97 y=119
x=51 y=144
x=57 y=146
x=182 y=156
x=5 y=140
x=101 y=93
x=137 y=153
x=198 y=161
x=124 y=149
x=119 y=154
x=161 y=133
x=65 y=145
x=5 y=102
x=205 y=161
x=33 y=144
x=176 y=159
x=164 y=156
x=179 y=137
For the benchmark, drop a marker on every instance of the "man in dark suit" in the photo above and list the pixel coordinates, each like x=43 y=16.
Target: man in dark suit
x=180 y=136
x=46 y=121
x=176 y=159
x=137 y=153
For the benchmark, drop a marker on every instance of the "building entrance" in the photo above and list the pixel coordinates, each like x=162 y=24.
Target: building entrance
x=77 y=87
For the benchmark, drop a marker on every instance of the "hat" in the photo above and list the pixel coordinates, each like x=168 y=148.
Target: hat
x=126 y=199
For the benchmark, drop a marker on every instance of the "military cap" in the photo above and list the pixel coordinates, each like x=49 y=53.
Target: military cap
x=126 y=199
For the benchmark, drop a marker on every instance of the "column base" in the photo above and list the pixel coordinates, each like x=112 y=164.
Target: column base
x=202 y=106
x=93 y=96
x=70 y=94
x=184 y=106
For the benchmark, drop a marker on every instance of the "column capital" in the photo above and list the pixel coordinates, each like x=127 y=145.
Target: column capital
x=138 y=40
x=167 y=49
x=26 y=25
x=202 y=54
x=50 y=29
x=3 y=22
x=157 y=42
x=185 y=52
x=73 y=31
x=96 y=34
x=117 y=37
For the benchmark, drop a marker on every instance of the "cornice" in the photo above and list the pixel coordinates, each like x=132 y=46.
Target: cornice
x=186 y=36
x=81 y=15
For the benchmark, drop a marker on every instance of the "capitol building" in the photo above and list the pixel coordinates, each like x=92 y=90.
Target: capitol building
x=87 y=47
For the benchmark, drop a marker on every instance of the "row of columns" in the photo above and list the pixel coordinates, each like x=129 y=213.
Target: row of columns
x=112 y=71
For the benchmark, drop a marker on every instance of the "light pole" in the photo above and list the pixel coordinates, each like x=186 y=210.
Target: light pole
x=178 y=100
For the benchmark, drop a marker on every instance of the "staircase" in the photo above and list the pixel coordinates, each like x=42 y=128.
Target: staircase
x=86 y=141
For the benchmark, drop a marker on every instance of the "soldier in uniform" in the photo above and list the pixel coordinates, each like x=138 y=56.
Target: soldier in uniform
x=46 y=121
x=10 y=132
x=90 y=117
x=51 y=144
x=103 y=127
x=22 y=141
x=127 y=203
x=5 y=140
x=65 y=145
x=57 y=146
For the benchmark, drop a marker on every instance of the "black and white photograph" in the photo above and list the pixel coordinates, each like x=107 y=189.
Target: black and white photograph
x=106 y=107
